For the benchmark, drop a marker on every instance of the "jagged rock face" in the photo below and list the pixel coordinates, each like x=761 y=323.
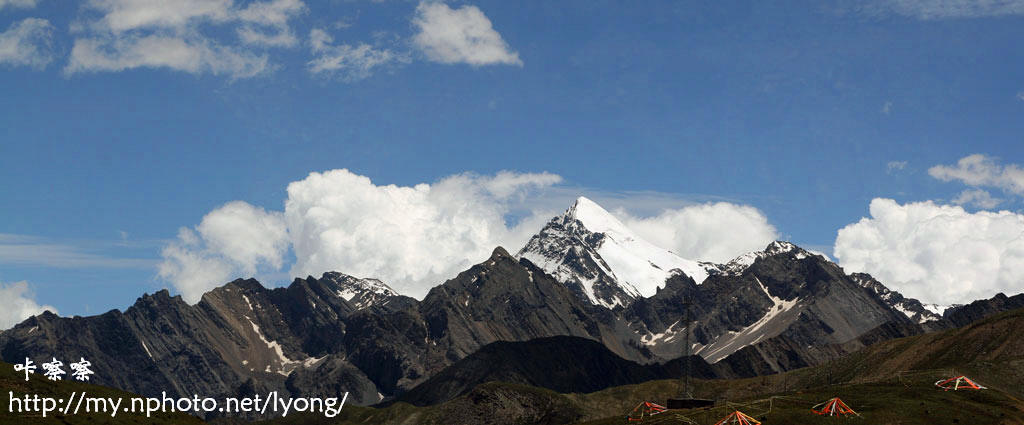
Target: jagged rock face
x=912 y=308
x=501 y=299
x=962 y=315
x=602 y=261
x=784 y=304
x=244 y=337
x=765 y=312
x=239 y=337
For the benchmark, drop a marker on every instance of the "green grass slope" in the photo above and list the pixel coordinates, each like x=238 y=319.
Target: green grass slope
x=888 y=383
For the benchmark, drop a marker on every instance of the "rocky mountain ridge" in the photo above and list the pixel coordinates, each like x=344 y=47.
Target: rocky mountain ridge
x=764 y=312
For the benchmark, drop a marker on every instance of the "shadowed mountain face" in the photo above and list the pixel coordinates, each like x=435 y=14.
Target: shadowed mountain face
x=792 y=307
x=240 y=335
x=987 y=351
x=562 y=363
x=786 y=307
x=501 y=299
x=964 y=314
x=243 y=336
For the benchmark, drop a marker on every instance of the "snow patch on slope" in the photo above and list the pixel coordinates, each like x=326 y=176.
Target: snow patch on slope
x=147 y=349
x=276 y=348
x=766 y=327
x=668 y=335
x=936 y=308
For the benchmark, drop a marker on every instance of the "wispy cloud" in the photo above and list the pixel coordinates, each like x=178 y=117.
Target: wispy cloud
x=266 y=23
x=979 y=170
x=192 y=55
x=27 y=43
x=26 y=250
x=25 y=4
x=894 y=166
x=944 y=9
x=977 y=197
x=129 y=34
x=349 y=62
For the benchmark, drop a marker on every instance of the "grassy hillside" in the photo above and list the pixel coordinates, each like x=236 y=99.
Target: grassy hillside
x=888 y=383
x=915 y=401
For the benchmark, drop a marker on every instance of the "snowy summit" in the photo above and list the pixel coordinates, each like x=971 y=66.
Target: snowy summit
x=600 y=259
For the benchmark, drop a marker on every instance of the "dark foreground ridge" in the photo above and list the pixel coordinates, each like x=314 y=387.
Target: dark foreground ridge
x=562 y=364
x=888 y=382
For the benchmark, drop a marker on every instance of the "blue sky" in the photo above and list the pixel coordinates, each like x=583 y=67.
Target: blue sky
x=806 y=112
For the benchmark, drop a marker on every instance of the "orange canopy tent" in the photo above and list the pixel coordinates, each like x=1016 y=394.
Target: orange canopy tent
x=833 y=407
x=959 y=383
x=645 y=409
x=738 y=418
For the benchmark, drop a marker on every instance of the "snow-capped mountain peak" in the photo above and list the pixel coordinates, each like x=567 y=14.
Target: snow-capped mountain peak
x=737 y=265
x=599 y=258
x=779 y=247
x=596 y=219
x=361 y=293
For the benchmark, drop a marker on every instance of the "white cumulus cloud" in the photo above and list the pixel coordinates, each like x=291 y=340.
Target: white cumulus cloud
x=412 y=237
x=982 y=171
x=462 y=35
x=936 y=253
x=17 y=303
x=416 y=237
x=234 y=240
x=27 y=43
x=715 y=232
